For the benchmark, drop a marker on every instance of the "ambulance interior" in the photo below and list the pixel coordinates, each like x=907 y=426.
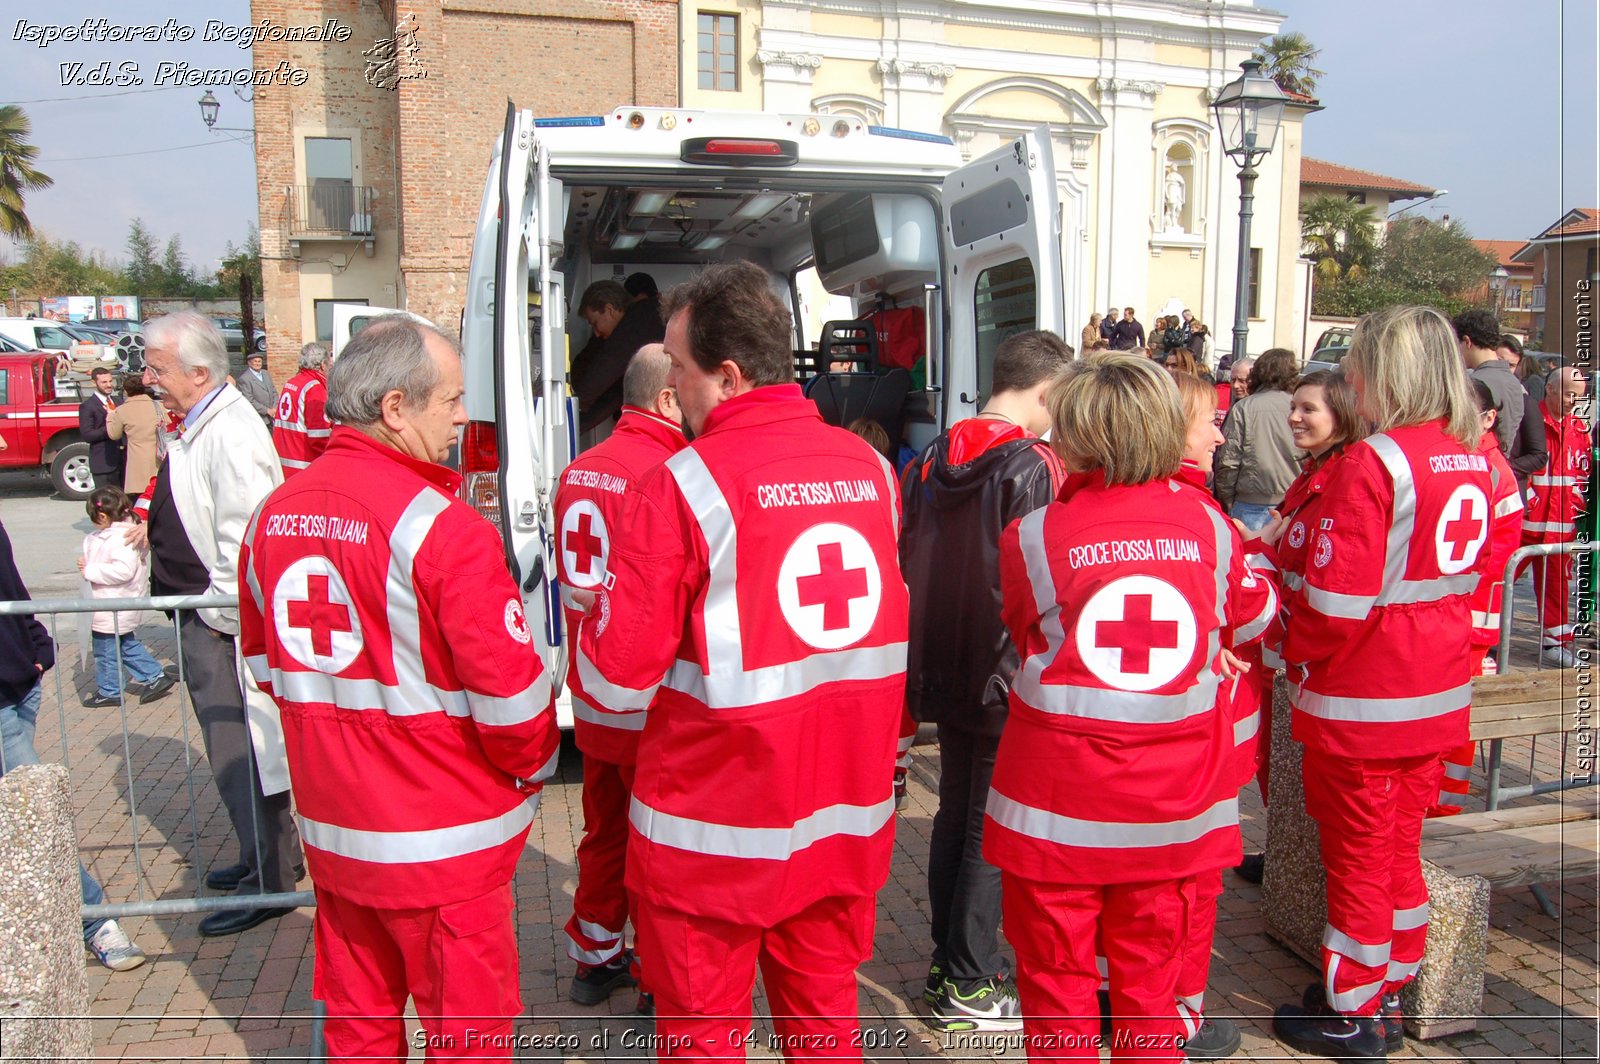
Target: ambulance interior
x=855 y=267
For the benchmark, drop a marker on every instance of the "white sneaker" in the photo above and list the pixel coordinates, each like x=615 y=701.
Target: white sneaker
x=114 y=949
x=1559 y=655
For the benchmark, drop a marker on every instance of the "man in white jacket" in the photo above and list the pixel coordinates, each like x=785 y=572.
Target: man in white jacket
x=215 y=475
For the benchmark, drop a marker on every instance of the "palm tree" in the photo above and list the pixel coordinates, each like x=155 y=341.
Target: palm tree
x=1287 y=59
x=1340 y=235
x=16 y=170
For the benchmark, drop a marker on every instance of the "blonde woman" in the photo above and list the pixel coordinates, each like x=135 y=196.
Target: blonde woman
x=1091 y=333
x=1392 y=548
x=1113 y=790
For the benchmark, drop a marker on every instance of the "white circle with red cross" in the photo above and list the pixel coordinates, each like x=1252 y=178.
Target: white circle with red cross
x=1136 y=633
x=315 y=616
x=1463 y=529
x=829 y=587
x=585 y=545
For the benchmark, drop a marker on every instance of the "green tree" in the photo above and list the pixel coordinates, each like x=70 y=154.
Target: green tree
x=1340 y=236
x=17 y=174
x=49 y=268
x=241 y=262
x=176 y=279
x=142 y=271
x=1434 y=256
x=1287 y=59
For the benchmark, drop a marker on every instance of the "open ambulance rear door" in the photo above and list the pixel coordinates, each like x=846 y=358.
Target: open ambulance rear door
x=351 y=318
x=520 y=431
x=1002 y=263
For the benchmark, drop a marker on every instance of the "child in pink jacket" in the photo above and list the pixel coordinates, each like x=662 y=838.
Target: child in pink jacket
x=115 y=570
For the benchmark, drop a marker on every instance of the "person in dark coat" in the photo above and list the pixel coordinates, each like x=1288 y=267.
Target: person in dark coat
x=106 y=455
x=622 y=324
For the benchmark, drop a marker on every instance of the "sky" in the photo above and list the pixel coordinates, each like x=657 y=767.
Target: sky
x=1494 y=100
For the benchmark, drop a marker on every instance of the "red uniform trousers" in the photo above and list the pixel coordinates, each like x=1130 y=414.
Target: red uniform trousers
x=1055 y=928
x=458 y=962
x=1195 y=971
x=1370 y=812
x=1552 y=591
x=600 y=904
x=703 y=972
x=1457 y=781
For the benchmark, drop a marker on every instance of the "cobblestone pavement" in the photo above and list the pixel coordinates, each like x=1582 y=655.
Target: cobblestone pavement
x=248 y=997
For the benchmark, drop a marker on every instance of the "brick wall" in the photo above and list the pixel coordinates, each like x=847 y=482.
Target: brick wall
x=426 y=144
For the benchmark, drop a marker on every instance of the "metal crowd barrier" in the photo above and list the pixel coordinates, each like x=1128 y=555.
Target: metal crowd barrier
x=50 y=611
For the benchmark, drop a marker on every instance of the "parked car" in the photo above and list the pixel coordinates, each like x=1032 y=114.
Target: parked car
x=115 y=326
x=75 y=349
x=39 y=423
x=1325 y=358
x=233 y=335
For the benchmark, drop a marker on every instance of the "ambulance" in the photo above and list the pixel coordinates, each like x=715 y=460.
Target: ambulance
x=889 y=223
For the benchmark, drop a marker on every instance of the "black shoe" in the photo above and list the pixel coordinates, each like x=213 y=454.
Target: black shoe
x=899 y=787
x=644 y=1005
x=227 y=878
x=1393 y=1023
x=595 y=982
x=170 y=670
x=100 y=701
x=1215 y=1040
x=1252 y=868
x=935 y=984
x=157 y=688
x=1325 y=1033
x=233 y=921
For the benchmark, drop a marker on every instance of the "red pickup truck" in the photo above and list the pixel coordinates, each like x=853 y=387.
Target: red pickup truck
x=39 y=427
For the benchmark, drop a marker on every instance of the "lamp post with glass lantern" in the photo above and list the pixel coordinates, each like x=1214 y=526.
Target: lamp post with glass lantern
x=1249 y=111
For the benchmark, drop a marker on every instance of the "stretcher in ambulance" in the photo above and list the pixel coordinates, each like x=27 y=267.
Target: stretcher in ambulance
x=866 y=219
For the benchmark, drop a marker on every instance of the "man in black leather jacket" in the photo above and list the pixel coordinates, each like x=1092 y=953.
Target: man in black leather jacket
x=960 y=494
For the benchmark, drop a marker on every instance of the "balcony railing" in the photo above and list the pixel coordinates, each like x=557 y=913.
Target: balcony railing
x=331 y=210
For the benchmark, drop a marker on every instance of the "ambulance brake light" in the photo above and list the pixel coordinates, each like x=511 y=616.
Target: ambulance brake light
x=480 y=470
x=740 y=151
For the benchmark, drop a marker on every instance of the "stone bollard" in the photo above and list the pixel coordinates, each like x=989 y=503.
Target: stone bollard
x=1447 y=994
x=44 y=996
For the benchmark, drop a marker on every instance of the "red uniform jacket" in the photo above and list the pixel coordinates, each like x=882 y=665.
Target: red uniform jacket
x=377 y=611
x=588 y=514
x=1505 y=531
x=300 y=429
x=1116 y=764
x=1378 y=617
x=1555 y=493
x=756 y=609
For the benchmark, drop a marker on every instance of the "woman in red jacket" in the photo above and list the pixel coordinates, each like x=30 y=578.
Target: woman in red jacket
x=1112 y=788
x=1377 y=645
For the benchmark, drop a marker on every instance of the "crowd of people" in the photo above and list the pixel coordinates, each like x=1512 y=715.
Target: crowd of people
x=1088 y=588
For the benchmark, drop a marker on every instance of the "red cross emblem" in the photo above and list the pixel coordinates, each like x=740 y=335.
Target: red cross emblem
x=1136 y=634
x=833 y=587
x=829 y=586
x=321 y=615
x=1463 y=529
x=585 y=544
x=315 y=618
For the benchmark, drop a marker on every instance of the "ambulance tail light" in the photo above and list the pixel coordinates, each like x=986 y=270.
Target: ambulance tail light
x=740 y=151
x=480 y=470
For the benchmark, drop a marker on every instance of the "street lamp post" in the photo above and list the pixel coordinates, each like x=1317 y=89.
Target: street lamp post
x=210 y=106
x=1249 y=111
x=1497 y=288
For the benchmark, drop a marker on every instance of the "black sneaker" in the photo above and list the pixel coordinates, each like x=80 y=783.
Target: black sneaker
x=991 y=1005
x=1215 y=1040
x=1393 y=1021
x=899 y=787
x=1325 y=1033
x=99 y=701
x=595 y=982
x=935 y=983
x=157 y=688
x=644 y=1004
x=1252 y=868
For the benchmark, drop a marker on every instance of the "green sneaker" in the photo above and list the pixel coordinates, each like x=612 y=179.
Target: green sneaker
x=992 y=1005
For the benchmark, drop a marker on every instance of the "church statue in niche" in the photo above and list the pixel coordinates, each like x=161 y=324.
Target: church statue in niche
x=1174 y=190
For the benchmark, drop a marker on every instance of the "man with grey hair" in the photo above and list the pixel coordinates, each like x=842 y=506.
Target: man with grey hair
x=418 y=719
x=216 y=472
x=588 y=512
x=300 y=429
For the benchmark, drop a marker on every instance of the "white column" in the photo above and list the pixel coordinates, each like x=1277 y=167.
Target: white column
x=1126 y=193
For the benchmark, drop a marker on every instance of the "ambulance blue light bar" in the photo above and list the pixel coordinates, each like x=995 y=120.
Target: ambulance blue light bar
x=559 y=123
x=909 y=134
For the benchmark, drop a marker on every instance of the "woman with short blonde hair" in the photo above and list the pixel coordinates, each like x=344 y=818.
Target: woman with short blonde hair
x=1111 y=795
